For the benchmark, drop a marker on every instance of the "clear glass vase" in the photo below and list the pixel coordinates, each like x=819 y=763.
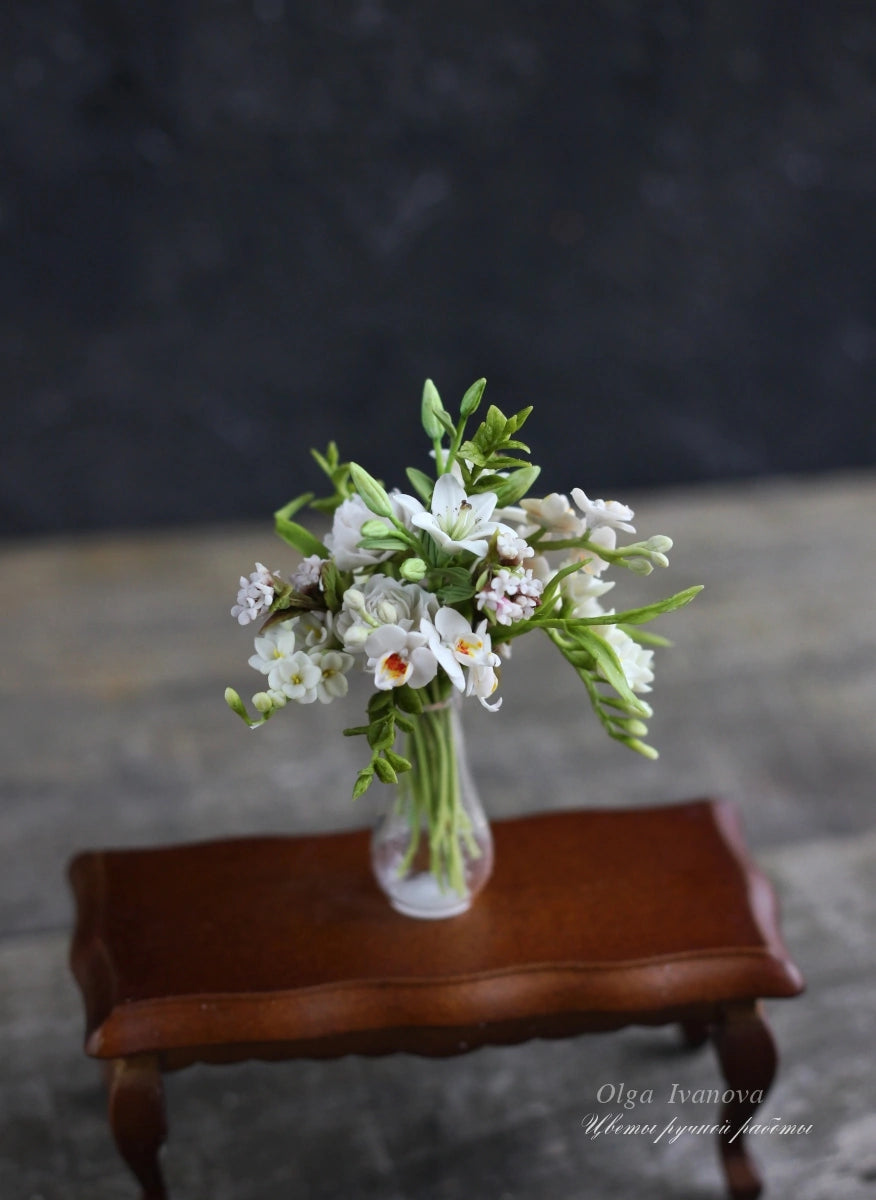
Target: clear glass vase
x=432 y=851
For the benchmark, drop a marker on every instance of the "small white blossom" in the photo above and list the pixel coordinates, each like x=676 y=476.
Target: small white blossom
x=598 y=513
x=603 y=536
x=635 y=660
x=346 y=532
x=511 y=548
x=512 y=594
x=298 y=677
x=483 y=681
x=274 y=647
x=256 y=595
x=582 y=591
x=307 y=575
x=554 y=514
x=458 y=521
x=334 y=665
x=398 y=656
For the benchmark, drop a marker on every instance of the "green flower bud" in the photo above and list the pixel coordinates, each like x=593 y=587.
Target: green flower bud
x=263 y=702
x=413 y=569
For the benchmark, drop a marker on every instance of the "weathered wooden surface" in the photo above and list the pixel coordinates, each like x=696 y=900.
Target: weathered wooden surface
x=116 y=651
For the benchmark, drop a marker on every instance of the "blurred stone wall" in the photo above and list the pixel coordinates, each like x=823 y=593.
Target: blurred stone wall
x=233 y=229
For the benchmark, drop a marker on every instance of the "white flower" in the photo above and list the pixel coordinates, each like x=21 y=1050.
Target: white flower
x=274 y=647
x=457 y=521
x=483 y=681
x=554 y=514
x=307 y=574
x=582 y=591
x=333 y=665
x=256 y=595
x=603 y=536
x=298 y=677
x=456 y=645
x=380 y=601
x=398 y=656
x=281 y=642
x=635 y=660
x=346 y=533
x=598 y=513
x=511 y=548
x=512 y=594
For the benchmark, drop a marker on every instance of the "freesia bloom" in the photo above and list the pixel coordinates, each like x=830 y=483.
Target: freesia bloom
x=458 y=521
x=274 y=647
x=598 y=513
x=256 y=595
x=398 y=656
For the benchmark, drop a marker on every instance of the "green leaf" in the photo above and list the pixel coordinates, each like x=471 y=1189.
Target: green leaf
x=379 y=704
x=609 y=667
x=356 y=730
x=363 y=782
x=472 y=398
x=384 y=771
x=638 y=616
x=409 y=700
x=494 y=425
x=372 y=492
x=296 y=535
x=398 y=761
x=381 y=734
x=472 y=452
x=421 y=484
x=516 y=485
x=515 y=422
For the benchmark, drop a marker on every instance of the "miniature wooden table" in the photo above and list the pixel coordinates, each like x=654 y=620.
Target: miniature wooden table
x=283 y=947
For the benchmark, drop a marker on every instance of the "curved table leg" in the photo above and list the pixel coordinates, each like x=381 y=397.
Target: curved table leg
x=748 y=1057
x=137 y=1119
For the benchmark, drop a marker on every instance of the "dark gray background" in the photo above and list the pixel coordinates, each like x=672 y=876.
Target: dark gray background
x=234 y=230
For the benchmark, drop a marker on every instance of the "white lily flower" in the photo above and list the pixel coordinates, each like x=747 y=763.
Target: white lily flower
x=599 y=513
x=458 y=521
x=256 y=595
x=398 y=656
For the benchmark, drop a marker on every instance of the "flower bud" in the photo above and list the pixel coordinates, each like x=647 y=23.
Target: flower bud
x=354 y=599
x=374 y=528
x=387 y=612
x=262 y=702
x=413 y=569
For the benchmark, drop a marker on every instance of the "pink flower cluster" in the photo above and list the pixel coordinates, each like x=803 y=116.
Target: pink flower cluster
x=512 y=594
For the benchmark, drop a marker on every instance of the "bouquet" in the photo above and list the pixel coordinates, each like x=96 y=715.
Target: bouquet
x=426 y=590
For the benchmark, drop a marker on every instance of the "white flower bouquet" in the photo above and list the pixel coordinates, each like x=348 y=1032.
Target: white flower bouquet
x=427 y=590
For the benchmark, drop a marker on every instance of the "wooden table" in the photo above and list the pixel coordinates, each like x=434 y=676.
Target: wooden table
x=283 y=947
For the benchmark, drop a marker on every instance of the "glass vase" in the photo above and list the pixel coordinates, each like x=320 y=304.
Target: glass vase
x=432 y=851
